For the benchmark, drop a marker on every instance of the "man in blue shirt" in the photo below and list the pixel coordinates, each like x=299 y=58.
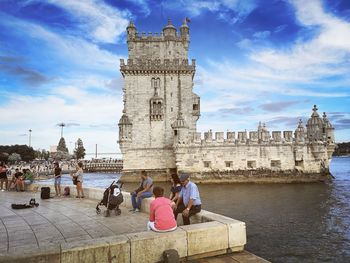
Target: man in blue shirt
x=189 y=202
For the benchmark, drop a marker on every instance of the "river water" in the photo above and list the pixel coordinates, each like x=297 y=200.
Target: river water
x=285 y=222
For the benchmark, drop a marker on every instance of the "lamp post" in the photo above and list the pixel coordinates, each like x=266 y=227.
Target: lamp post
x=30 y=137
x=61 y=125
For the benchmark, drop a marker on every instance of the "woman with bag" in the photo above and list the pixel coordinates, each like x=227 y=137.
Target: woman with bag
x=78 y=180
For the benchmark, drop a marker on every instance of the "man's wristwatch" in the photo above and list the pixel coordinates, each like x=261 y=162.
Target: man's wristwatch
x=187 y=209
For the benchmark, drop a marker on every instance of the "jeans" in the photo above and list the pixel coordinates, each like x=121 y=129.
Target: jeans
x=186 y=219
x=136 y=201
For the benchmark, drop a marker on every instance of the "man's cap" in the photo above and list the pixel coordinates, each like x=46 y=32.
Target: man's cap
x=183 y=177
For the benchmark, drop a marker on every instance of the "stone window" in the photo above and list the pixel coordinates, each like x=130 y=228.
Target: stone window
x=299 y=163
x=251 y=164
x=228 y=164
x=155 y=83
x=276 y=164
x=196 y=106
x=207 y=164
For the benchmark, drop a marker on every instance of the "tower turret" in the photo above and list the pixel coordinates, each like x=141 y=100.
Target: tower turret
x=131 y=31
x=314 y=126
x=184 y=32
x=180 y=130
x=328 y=129
x=169 y=31
x=125 y=126
x=299 y=133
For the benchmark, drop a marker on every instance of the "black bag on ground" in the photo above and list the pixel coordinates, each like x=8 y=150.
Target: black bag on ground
x=45 y=193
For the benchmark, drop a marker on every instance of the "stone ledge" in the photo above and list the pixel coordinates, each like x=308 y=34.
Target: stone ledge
x=210 y=234
x=148 y=247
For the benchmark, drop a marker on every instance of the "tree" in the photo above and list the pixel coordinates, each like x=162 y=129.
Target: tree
x=59 y=156
x=27 y=153
x=4 y=156
x=62 y=146
x=42 y=154
x=80 y=150
x=14 y=157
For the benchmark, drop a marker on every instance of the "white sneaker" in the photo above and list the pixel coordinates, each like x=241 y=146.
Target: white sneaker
x=2 y=190
x=137 y=210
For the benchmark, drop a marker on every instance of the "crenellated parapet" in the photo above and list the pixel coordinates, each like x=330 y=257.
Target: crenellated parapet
x=169 y=33
x=242 y=138
x=146 y=66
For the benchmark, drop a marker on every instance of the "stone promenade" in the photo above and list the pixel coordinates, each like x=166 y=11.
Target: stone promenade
x=69 y=230
x=57 y=221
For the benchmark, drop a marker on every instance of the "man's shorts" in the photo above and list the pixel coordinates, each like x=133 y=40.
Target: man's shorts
x=27 y=182
x=58 y=180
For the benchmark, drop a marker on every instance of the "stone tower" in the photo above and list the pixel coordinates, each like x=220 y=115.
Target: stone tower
x=160 y=108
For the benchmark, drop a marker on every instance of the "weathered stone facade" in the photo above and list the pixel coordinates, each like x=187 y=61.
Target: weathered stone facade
x=157 y=131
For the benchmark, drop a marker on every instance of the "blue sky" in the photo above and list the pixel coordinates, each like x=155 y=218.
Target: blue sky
x=257 y=60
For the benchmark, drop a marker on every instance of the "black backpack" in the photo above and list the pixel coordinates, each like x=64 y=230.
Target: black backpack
x=45 y=193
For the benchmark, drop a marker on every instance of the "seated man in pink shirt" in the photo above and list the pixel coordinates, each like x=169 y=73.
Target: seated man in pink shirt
x=161 y=215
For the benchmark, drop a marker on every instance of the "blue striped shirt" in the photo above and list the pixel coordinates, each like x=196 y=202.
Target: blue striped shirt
x=190 y=191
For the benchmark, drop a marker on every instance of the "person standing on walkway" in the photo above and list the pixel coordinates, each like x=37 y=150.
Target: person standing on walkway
x=57 y=172
x=144 y=191
x=189 y=202
x=79 y=177
x=161 y=216
x=3 y=176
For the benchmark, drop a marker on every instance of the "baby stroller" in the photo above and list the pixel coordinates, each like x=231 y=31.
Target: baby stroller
x=112 y=198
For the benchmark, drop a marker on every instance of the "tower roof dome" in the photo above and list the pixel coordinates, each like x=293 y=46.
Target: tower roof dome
x=179 y=123
x=131 y=24
x=184 y=24
x=300 y=127
x=315 y=118
x=169 y=25
x=326 y=122
x=124 y=120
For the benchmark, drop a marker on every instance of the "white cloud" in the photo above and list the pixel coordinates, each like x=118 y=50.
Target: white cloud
x=63 y=104
x=102 y=22
x=142 y=5
x=241 y=8
x=71 y=49
x=326 y=54
x=262 y=34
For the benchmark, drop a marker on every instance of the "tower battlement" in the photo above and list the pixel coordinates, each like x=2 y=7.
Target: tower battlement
x=166 y=45
x=157 y=65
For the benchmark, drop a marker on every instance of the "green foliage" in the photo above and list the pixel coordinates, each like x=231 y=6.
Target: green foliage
x=59 y=156
x=79 y=152
x=14 y=157
x=342 y=149
x=62 y=146
x=42 y=154
x=26 y=153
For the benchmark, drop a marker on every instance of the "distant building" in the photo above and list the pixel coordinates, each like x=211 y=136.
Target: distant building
x=158 y=133
x=53 y=149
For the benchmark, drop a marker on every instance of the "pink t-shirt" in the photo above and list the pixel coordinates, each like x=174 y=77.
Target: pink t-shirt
x=162 y=214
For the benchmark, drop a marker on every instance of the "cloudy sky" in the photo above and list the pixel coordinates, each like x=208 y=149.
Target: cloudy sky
x=268 y=60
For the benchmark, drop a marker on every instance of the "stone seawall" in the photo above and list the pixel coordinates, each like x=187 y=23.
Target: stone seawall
x=240 y=176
